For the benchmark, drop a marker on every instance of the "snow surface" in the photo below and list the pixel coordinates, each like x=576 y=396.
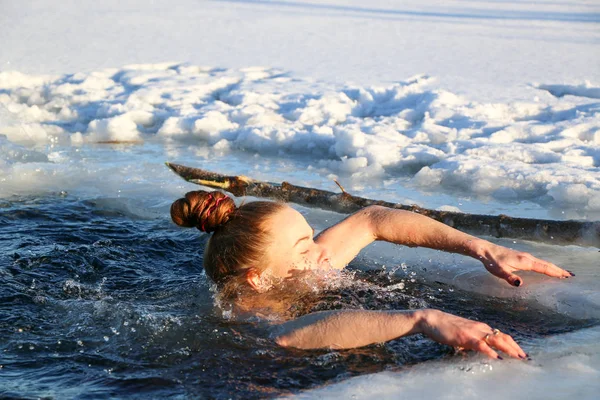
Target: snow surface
x=490 y=50
x=547 y=150
x=484 y=106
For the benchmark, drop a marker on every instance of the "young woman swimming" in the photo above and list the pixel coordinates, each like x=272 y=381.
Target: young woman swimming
x=260 y=243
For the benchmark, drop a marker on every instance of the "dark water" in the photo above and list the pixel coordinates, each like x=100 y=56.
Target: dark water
x=101 y=298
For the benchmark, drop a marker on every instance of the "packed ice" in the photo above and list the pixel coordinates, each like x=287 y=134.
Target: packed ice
x=546 y=149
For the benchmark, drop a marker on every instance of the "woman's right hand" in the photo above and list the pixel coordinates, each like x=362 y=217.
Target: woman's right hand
x=471 y=335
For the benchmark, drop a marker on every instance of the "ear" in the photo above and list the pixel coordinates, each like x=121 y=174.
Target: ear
x=253 y=279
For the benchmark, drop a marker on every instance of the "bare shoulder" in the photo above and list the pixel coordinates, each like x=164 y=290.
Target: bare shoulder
x=348 y=237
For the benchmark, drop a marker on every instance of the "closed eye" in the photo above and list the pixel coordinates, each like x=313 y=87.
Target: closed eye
x=308 y=237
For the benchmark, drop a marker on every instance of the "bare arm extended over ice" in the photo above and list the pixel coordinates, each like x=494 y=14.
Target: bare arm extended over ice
x=343 y=329
x=345 y=239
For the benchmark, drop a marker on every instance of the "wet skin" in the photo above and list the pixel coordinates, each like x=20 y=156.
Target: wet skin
x=292 y=248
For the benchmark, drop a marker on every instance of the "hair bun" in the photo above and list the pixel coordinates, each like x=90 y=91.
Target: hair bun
x=203 y=210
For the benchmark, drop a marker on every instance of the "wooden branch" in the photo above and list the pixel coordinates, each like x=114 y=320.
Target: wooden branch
x=582 y=233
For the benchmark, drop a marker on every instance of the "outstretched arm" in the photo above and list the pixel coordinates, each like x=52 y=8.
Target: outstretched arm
x=347 y=238
x=343 y=329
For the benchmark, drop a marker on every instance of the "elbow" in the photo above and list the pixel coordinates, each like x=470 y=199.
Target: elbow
x=282 y=341
x=302 y=343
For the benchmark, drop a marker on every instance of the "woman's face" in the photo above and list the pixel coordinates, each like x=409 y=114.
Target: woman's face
x=292 y=247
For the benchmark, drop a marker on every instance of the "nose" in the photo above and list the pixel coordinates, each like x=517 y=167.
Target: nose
x=323 y=256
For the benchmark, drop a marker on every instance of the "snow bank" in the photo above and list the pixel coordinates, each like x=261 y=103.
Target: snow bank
x=584 y=90
x=548 y=149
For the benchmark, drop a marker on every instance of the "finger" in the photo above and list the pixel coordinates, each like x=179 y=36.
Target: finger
x=541 y=266
x=514 y=345
x=482 y=326
x=547 y=268
x=512 y=279
x=483 y=347
x=506 y=344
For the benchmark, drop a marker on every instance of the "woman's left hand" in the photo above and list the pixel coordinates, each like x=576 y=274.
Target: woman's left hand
x=503 y=262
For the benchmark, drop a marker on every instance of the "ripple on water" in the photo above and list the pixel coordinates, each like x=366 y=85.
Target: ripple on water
x=96 y=301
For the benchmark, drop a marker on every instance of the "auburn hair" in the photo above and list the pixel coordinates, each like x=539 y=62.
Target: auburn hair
x=239 y=235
